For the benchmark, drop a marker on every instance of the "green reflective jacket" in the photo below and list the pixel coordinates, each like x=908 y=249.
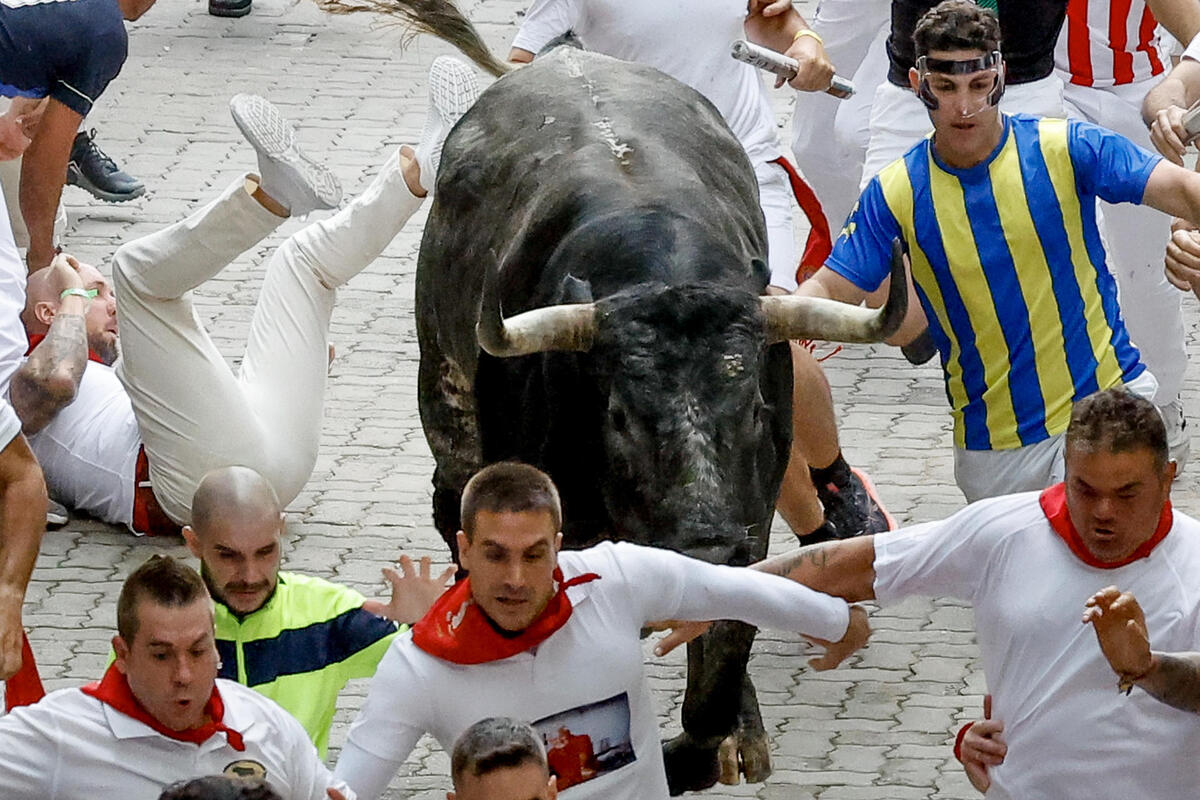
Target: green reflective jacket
x=302 y=646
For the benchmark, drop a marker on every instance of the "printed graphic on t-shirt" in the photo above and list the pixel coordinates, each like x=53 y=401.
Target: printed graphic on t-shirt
x=586 y=742
x=245 y=769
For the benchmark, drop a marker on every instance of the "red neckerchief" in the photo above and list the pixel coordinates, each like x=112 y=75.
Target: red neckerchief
x=36 y=338
x=455 y=630
x=24 y=688
x=1054 y=506
x=114 y=690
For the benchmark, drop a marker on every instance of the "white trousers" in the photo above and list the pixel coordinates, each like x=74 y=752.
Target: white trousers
x=1135 y=238
x=193 y=412
x=899 y=119
x=777 y=200
x=829 y=136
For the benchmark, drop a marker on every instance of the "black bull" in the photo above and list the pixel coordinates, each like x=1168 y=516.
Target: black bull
x=649 y=379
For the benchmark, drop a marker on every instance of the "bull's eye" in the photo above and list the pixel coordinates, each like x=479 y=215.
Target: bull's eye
x=733 y=364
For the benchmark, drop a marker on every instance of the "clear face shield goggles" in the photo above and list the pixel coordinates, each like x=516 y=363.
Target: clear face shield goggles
x=989 y=62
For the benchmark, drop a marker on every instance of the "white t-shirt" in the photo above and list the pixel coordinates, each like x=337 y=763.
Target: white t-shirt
x=13 y=341
x=1069 y=732
x=69 y=746
x=89 y=450
x=1192 y=51
x=687 y=39
x=10 y=426
x=587 y=678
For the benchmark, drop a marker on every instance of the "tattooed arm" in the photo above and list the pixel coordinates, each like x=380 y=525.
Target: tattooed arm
x=844 y=568
x=49 y=379
x=1173 y=678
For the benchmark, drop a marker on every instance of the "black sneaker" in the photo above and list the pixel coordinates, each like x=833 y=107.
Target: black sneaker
x=855 y=509
x=93 y=171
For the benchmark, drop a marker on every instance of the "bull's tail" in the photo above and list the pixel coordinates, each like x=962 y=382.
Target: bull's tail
x=438 y=17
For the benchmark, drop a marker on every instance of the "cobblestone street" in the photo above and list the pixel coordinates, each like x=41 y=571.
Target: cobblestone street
x=879 y=728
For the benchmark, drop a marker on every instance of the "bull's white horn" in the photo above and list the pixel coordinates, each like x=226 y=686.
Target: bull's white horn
x=791 y=317
x=561 y=327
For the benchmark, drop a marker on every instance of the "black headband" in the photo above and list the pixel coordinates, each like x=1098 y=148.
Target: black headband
x=959 y=67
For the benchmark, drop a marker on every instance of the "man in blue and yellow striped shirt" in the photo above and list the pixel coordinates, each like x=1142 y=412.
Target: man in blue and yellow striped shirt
x=998 y=216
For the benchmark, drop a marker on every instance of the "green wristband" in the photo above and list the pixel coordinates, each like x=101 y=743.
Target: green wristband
x=86 y=294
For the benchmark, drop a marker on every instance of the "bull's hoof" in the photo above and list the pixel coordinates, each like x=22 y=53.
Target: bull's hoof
x=755 y=753
x=727 y=756
x=744 y=754
x=690 y=768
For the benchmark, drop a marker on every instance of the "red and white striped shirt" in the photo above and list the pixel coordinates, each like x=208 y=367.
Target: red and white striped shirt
x=1109 y=42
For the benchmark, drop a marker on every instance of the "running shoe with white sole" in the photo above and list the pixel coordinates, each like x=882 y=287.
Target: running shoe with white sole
x=855 y=509
x=286 y=173
x=453 y=88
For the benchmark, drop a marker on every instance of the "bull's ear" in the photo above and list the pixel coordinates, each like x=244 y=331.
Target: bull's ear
x=761 y=272
x=575 y=290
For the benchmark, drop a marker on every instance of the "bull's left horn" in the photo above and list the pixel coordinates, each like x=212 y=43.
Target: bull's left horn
x=790 y=317
x=562 y=327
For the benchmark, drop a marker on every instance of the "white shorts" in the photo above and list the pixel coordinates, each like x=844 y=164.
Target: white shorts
x=991 y=473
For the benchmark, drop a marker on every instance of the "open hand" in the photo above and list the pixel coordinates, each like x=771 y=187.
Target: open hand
x=682 y=632
x=1121 y=630
x=413 y=591
x=855 y=638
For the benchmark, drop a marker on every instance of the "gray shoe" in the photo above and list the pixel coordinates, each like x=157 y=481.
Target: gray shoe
x=56 y=514
x=285 y=172
x=1179 y=438
x=453 y=89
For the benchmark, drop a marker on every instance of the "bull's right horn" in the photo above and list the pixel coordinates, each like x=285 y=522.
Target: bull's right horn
x=562 y=327
x=791 y=317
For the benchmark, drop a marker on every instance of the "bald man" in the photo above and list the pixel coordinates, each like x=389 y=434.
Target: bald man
x=293 y=638
x=127 y=440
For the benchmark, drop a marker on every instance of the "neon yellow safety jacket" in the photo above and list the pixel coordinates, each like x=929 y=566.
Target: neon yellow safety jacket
x=302 y=646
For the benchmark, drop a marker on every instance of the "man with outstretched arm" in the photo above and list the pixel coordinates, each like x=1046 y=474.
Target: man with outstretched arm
x=553 y=639
x=1028 y=563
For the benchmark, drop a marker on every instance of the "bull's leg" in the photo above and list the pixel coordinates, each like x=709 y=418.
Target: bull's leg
x=448 y=415
x=752 y=747
x=712 y=706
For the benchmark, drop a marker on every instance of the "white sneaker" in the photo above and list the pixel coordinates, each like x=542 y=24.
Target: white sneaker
x=1179 y=439
x=285 y=172
x=453 y=88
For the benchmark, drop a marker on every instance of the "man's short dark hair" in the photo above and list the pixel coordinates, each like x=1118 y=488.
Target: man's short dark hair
x=509 y=486
x=1118 y=421
x=219 y=787
x=956 y=25
x=161 y=579
x=496 y=743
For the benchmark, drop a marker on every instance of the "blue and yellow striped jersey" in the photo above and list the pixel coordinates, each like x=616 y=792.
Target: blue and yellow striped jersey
x=1009 y=266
